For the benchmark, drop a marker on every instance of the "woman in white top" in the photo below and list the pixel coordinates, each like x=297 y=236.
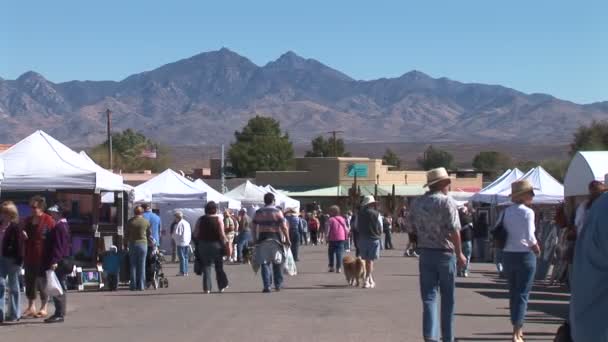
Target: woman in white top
x=520 y=252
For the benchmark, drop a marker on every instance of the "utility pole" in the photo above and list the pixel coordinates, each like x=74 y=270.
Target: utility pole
x=109 y=118
x=222 y=174
x=334 y=134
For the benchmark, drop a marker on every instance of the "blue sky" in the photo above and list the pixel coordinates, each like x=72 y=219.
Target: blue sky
x=556 y=47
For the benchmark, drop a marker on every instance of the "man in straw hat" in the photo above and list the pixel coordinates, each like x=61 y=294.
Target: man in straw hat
x=436 y=222
x=370 y=231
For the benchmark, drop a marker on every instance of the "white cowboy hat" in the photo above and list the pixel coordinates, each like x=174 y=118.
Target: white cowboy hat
x=521 y=187
x=367 y=200
x=436 y=175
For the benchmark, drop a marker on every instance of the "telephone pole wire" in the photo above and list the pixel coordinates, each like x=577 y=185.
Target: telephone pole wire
x=109 y=118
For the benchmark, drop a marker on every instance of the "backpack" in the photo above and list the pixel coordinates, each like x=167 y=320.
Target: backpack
x=313 y=225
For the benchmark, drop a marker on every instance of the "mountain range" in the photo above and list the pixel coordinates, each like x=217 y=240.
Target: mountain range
x=205 y=98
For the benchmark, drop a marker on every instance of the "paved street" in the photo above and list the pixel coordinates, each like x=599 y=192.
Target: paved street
x=315 y=306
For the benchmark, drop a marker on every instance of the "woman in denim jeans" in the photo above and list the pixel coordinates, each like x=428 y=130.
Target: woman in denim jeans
x=336 y=236
x=136 y=239
x=520 y=252
x=212 y=245
x=11 y=259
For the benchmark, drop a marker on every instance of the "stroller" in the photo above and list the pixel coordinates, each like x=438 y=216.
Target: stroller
x=155 y=277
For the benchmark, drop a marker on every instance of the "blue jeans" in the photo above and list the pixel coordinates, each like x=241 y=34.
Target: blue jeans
x=519 y=270
x=210 y=255
x=267 y=278
x=467 y=250
x=437 y=273
x=137 y=261
x=243 y=240
x=498 y=260
x=295 y=245
x=335 y=252
x=479 y=245
x=183 y=252
x=9 y=277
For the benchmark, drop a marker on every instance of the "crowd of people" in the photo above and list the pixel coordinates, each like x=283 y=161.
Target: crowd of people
x=443 y=235
x=37 y=244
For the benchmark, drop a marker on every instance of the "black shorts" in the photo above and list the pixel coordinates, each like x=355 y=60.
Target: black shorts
x=412 y=237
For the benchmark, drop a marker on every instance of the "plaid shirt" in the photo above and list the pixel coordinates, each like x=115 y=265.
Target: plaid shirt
x=435 y=218
x=268 y=222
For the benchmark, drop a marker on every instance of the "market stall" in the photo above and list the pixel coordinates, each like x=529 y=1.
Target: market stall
x=250 y=196
x=39 y=164
x=489 y=194
x=282 y=200
x=216 y=196
x=584 y=168
x=171 y=191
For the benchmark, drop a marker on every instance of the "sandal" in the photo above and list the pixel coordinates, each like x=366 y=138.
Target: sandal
x=28 y=314
x=41 y=314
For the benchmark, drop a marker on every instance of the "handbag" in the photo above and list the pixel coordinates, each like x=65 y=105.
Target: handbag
x=563 y=333
x=499 y=233
x=66 y=265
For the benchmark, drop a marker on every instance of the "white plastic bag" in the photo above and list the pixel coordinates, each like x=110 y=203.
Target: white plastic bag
x=53 y=286
x=289 y=266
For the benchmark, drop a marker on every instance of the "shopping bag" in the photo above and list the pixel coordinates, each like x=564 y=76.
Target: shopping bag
x=289 y=266
x=53 y=286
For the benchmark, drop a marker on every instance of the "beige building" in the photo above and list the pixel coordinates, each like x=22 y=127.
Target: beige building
x=341 y=172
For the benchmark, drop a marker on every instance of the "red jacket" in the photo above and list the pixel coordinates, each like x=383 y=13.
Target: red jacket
x=36 y=235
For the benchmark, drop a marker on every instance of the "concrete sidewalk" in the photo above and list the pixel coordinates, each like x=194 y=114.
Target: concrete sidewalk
x=315 y=306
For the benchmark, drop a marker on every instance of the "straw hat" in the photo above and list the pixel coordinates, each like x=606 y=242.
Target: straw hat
x=521 y=187
x=367 y=200
x=290 y=211
x=54 y=209
x=437 y=175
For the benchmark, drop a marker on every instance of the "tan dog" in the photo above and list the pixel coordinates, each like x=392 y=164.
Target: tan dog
x=354 y=270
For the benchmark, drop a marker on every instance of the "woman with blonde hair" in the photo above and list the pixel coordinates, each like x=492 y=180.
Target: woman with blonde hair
x=11 y=259
x=519 y=253
x=336 y=237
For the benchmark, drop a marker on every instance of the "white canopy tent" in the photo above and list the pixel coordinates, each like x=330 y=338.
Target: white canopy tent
x=170 y=192
x=584 y=168
x=282 y=200
x=462 y=197
x=248 y=194
x=106 y=180
x=216 y=196
x=546 y=188
x=489 y=194
x=138 y=195
x=170 y=187
x=39 y=162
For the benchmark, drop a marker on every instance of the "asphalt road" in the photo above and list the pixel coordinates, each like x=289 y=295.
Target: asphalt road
x=314 y=306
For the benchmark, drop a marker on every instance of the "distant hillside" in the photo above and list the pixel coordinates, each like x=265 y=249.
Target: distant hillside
x=205 y=98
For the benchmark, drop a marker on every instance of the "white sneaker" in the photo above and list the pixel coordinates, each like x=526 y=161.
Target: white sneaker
x=372 y=283
x=415 y=254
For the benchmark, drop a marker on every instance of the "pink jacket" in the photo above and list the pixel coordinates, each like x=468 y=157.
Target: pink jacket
x=338 y=230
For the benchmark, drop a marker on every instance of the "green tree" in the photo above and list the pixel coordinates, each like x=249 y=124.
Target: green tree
x=322 y=147
x=590 y=138
x=260 y=146
x=492 y=162
x=434 y=158
x=526 y=165
x=391 y=158
x=127 y=153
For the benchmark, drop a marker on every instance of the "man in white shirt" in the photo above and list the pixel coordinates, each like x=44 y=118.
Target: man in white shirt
x=182 y=235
